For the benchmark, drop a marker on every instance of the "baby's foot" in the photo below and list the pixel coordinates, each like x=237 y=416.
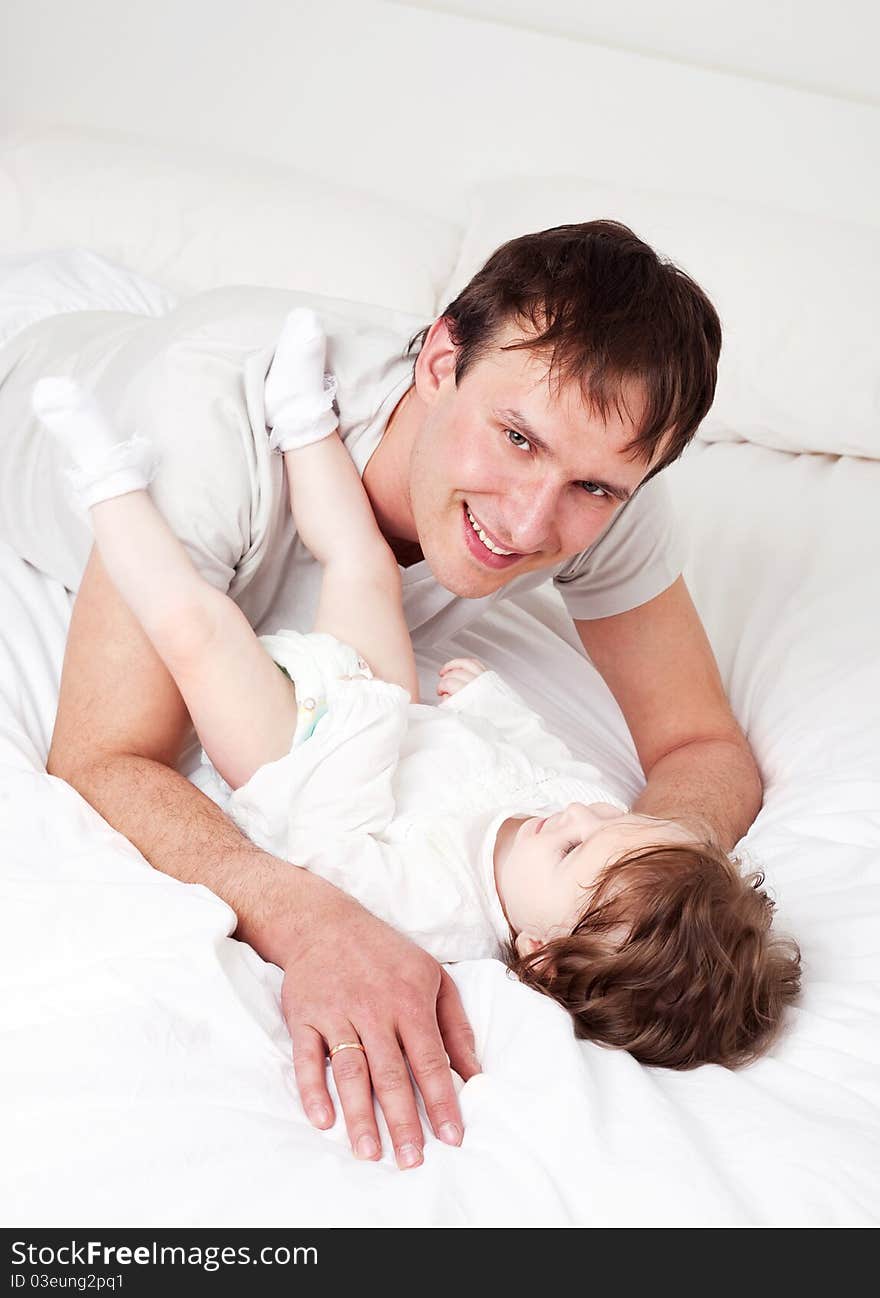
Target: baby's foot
x=103 y=465
x=298 y=394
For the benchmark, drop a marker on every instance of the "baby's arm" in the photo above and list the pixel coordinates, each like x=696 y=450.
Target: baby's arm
x=361 y=591
x=241 y=704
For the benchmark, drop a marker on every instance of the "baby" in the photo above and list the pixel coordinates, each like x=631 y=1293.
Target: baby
x=466 y=825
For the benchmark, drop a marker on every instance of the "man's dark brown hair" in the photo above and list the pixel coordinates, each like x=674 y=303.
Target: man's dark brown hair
x=607 y=311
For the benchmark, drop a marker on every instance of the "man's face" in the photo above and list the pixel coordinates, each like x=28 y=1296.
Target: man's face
x=473 y=466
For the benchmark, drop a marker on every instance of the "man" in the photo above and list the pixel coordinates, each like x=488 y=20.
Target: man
x=486 y=478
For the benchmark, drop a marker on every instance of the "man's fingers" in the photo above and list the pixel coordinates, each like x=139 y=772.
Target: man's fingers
x=394 y=1092
x=455 y=1029
x=352 y=1076
x=430 y=1068
x=392 y=1036
x=309 y=1066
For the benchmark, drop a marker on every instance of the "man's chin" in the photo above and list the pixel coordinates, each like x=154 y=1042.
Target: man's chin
x=466 y=580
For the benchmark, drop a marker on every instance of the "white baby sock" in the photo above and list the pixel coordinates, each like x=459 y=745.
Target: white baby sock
x=298 y=394
x=103 y=466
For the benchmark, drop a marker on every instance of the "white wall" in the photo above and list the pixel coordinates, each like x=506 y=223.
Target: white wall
x=830 y=46
x=419 y=105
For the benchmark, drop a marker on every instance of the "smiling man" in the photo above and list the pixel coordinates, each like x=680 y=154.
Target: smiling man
x=491 y=468
x=522 y=444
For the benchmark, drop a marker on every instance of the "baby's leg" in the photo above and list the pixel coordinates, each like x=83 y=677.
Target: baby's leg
x=361 y=599
x=361 y=590
x=241 y=704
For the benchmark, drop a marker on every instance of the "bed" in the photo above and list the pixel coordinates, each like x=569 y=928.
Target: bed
x=145 y=1058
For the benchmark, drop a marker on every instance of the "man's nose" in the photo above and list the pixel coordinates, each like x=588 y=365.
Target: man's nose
x=531 y=517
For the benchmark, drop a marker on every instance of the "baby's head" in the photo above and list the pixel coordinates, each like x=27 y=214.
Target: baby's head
x=654 y=941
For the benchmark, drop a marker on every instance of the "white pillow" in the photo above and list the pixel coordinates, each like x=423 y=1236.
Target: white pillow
x=197 y=222
x=797 y=296
x=35 y=285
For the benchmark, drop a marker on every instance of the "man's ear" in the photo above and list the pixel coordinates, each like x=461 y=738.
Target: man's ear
x=436 y=360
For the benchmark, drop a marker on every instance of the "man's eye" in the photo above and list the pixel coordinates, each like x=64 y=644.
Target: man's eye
x=523 y=442
x=593 y=489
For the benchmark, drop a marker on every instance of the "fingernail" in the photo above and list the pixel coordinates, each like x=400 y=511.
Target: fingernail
x=319 y=1115
x=409 y=1155
x=367 y=1147
x=450 y=1134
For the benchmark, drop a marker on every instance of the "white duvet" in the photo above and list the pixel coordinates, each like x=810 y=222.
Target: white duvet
x=146 y=1071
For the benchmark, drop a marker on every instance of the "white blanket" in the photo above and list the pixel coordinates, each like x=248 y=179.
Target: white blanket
x=146 y=1065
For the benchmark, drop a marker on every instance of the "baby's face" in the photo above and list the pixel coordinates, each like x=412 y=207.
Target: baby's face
x=545 y=870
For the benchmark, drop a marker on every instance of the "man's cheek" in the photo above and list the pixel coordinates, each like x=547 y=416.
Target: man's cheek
x=476 y=458
x=583 y=529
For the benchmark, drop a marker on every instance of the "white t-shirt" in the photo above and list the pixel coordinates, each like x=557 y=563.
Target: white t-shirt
x=399 y=804
x=192 y=381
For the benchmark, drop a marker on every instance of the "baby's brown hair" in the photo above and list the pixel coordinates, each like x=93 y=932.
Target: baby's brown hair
x=693 y=976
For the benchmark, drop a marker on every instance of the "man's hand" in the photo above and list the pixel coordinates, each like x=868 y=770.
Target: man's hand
x=354 y=979
x=457 y=673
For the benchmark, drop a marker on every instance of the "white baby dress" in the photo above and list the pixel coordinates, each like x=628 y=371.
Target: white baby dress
x=399 y=803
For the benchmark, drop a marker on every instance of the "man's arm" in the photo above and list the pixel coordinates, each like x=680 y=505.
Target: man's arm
x=119 y=731
x=659 y=665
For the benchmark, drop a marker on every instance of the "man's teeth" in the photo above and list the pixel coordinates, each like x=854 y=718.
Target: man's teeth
x=490 y=545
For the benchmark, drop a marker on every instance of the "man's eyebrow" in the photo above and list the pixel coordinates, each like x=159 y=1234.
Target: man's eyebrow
x=517 y=420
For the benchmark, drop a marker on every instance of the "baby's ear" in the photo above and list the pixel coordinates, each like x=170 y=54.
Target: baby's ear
x=526 y=946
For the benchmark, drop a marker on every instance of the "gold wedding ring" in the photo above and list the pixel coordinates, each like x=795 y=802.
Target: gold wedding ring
x=346 y=1045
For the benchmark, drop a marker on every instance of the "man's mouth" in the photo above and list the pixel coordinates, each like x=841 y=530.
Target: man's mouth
x=483 y=545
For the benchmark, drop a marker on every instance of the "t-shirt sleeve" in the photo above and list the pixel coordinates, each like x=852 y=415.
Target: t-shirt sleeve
x=188 y=399
x=161 y=378
x=637 y=557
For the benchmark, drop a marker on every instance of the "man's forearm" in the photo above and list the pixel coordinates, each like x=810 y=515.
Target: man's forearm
x=184 y=834
x=710 y=782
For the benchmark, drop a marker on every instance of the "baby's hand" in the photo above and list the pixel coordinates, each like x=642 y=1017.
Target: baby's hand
x=457 y=673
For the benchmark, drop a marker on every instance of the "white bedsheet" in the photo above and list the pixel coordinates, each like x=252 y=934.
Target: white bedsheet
x=145 y=1062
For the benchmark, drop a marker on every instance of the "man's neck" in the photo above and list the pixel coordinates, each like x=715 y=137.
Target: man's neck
x=407 y=553
x=386 y=479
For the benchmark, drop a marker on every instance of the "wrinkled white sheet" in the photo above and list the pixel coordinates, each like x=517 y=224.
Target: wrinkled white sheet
x=145 y=1062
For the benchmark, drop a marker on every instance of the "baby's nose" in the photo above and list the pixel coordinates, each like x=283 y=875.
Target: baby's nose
x=604 y=810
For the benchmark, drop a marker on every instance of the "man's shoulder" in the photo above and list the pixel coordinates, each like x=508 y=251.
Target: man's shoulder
x=647 y=519
x=200 y=342
x=252 y=315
